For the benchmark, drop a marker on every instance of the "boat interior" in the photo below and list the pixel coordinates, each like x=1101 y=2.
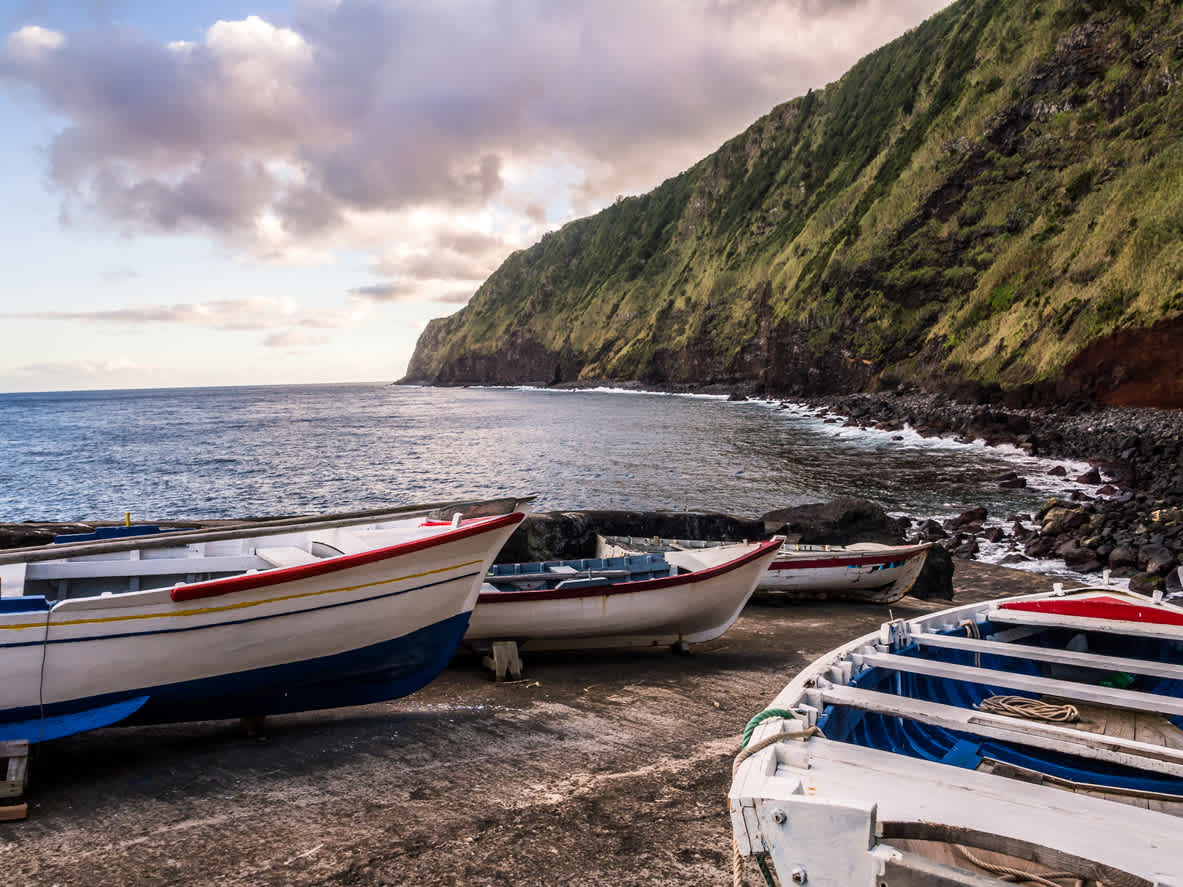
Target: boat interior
x=121 y=567
x=581 y=573
x=1031 y=698
x=942 y=689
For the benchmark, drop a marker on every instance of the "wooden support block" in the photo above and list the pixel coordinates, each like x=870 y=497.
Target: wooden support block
x=17 y=753
x=504 y=661
x=14 y=812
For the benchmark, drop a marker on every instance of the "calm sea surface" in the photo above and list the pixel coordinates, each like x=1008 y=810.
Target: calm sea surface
x=255 y=451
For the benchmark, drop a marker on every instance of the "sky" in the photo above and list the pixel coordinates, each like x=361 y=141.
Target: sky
x=240 y=192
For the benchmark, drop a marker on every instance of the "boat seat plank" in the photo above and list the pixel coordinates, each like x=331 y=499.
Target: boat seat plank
x=1085 y=623
x=1045 y=654
x=1125 y=751
x=165 y=566
x=1073 y=690
x=285 y=556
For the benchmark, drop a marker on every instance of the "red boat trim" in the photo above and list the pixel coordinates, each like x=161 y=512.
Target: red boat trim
x=1100 y=607
x=247 y=581
x=551 y=594
x=847 y=560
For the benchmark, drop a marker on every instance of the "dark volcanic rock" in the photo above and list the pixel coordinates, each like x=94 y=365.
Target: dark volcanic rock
x=975 y=516
x=931 y=531
x=1157 y=559
x=936 y=579
x=840 y=522
x=558 y=535
x=25 y=535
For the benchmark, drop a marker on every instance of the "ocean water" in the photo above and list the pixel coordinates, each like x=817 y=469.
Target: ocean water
x=259 y=451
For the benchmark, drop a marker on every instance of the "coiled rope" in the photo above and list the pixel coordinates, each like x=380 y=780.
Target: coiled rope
x=1021 y=876
x=1034 y=709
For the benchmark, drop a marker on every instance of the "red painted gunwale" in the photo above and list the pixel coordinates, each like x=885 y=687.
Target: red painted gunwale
x=847 y=560
x=1100 y=607
x=550 y=594
x=245 y=582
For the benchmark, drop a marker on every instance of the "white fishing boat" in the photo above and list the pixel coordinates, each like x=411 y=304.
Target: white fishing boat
x=278 y=616
x=1034 y=737
x=676 y=599
x=865 y=571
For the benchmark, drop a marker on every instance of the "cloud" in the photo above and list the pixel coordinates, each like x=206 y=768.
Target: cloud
x=270 y=137
x=73 y=369
x=433 y=139
x=256 y=313
x=386 y=292
x=293 y=339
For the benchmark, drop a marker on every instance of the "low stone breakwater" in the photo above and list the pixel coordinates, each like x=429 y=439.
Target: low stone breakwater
x=1131 y=523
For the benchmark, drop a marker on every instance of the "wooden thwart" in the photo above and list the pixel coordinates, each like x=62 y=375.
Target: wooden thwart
x=1045 y=654
x=1131 y=699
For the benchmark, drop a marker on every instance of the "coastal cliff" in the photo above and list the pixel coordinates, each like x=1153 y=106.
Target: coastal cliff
x=990 y=201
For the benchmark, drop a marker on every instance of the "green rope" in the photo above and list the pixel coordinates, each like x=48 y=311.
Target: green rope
x=764 y=716
x=764 y=870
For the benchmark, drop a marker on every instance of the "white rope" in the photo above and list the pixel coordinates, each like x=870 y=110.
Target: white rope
x=1022 y=876
x=1034 y=709
x=736 y=857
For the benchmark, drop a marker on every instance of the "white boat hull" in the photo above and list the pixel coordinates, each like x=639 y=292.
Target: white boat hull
x=865 y=571
x=872 y=573
x=689 y=608
x=370 y=624
x=823 y=806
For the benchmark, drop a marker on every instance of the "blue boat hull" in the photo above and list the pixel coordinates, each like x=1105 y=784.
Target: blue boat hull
x=388 y=670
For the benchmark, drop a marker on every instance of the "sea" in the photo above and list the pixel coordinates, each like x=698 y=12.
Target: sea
x=207 y=453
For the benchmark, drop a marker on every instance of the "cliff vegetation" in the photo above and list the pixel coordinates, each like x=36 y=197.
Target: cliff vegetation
x=994 y=200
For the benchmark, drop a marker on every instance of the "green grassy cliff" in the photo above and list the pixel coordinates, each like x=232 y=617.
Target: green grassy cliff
x=993 y=199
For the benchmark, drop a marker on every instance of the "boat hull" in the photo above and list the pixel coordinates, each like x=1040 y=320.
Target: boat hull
x=952 y=728
x=873 y=576
x=689 y=608
x=353 y=629
x=866 y=572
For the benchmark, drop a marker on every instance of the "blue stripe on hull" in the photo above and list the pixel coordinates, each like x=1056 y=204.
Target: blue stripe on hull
x=388 y=670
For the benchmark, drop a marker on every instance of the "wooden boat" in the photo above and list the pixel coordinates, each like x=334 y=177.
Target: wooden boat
x=1025 y=734
x=677 y=599
x=866 y=571
x=278 y=616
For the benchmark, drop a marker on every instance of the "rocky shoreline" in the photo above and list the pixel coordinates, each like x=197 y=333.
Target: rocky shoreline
x=1132 y=524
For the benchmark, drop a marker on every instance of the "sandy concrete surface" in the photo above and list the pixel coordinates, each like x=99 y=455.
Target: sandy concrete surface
x=597 y=769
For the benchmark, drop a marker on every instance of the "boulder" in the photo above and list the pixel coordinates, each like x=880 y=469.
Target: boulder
x=1122 y=556
x=1012 y=483
x=931 y=531
x=967 y=518
x=1157 y=559
x=558 y=535
x=841 y=522
x=1145 y=583
x=1092 y=476
x=936 y=579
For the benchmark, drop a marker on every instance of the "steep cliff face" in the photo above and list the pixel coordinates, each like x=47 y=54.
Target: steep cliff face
x=994 y=198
